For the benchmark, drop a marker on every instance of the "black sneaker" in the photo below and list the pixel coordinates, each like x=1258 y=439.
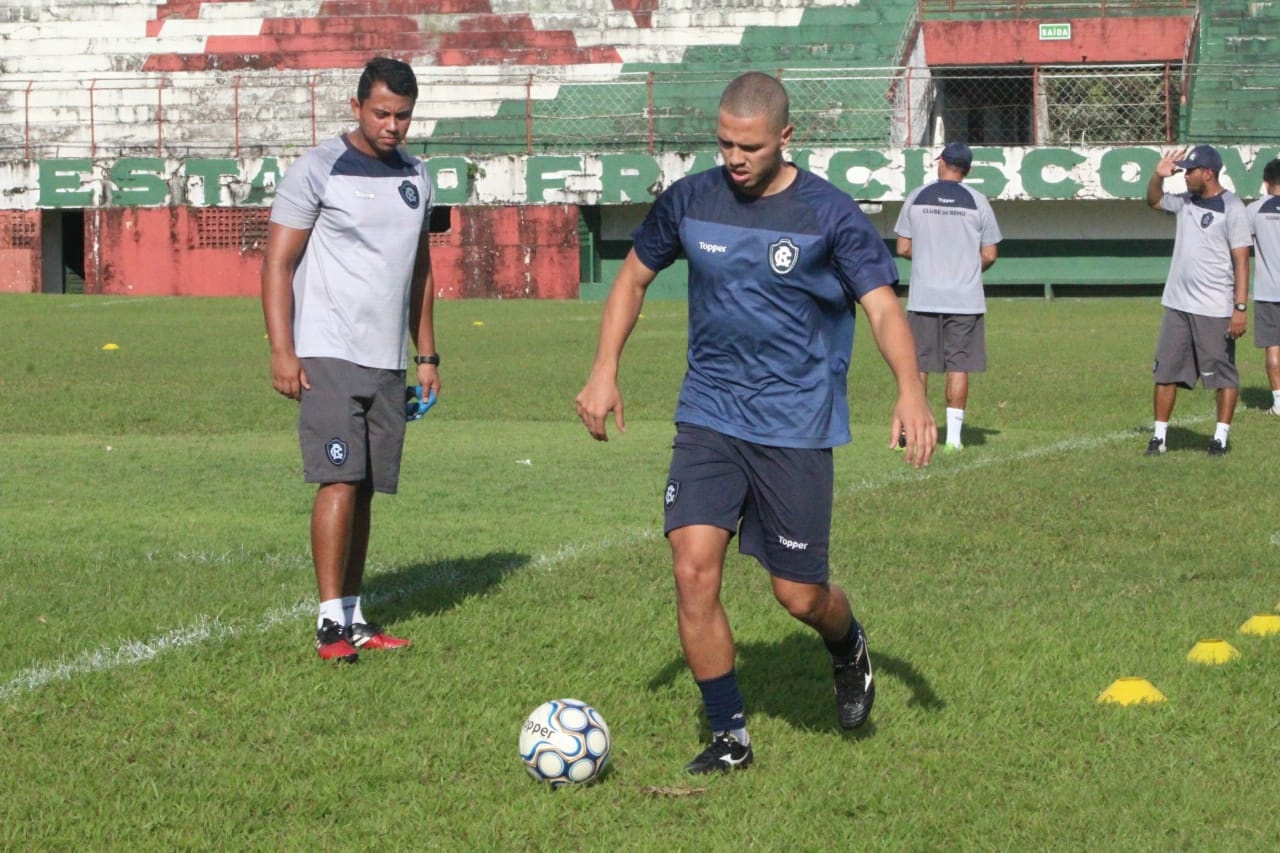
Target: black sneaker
x=1216 y=448
x=333 y=643
x=855 y=686
x=1155 y=447
x=723 y=754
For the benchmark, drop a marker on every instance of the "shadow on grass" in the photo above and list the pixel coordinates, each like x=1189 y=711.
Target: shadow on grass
x=1254 y=398
x=970 y=436
x=425 y=589
x=791 y=679
x=1182 y=439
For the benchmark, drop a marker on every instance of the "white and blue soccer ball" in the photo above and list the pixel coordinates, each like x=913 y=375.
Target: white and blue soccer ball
x=565 y=742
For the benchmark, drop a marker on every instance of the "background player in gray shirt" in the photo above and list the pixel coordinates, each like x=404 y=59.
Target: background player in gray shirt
x=1204 y=294
x=1264 y=224
x=949 y=233
x=345 y=279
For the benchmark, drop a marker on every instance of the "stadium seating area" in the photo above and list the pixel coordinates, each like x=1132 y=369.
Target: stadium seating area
x=1236 y=88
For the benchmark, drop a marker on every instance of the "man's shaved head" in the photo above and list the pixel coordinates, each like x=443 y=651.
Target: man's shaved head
x=756 y=94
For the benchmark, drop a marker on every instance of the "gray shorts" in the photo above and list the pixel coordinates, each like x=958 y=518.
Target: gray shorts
x=1266 y=324
x=1193 y=347
x=949 y=343
x=777 y=499
x=351 y=424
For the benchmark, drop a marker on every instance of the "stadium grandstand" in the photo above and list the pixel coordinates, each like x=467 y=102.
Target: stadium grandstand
x=140 y=141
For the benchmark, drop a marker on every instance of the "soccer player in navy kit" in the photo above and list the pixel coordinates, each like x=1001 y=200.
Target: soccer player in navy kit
x=1264 y=224
x=777 y=260
x=1204 y=294
x=346 y=279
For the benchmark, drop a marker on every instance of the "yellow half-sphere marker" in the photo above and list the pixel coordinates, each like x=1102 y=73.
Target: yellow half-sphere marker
x=1262 y=624
x=1131 y=691
x=110 y=346
x=1212 y=651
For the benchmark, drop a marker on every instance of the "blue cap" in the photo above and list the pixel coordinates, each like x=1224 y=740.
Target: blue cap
x=1202 y=157
x=958 y=155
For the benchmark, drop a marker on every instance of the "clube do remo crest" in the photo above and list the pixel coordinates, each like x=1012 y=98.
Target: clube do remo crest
x=783 y=256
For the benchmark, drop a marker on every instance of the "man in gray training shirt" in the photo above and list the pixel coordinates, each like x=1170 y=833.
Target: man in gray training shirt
x=345 y=280
x=1264 y=223
x=1204 y=294
x=949 y=233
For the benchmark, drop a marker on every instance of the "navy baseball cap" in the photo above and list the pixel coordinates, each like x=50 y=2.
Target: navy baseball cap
x=958 y=155
x=1202 y=157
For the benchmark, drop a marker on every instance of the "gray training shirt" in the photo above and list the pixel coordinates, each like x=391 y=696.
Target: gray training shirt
x=1264 y=222
x=1201 y=278
x=947 y=224
x=351 y=287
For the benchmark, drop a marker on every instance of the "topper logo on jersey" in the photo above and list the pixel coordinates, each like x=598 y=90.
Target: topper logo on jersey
x=336 y=450
x=409 y=193
x=783 y=256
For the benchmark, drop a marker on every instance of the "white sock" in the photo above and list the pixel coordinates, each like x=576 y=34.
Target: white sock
x=1162 y=429
x=955 y=420
x=1275 y=400
x=741 y=736
x=1220 y=433
x=331 y=610
x=351 y=610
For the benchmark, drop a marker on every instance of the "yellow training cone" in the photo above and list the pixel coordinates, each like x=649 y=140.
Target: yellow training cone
x=1262 y=624
x=1212 y=651
x=1131 y=691
x=110 y=346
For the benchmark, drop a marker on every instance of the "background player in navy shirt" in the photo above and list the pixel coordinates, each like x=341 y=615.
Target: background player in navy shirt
x=777 y=260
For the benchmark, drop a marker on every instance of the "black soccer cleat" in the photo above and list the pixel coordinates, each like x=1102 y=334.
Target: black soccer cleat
x=334 y=643
x=1155 y=447
x=855 y=686
x=1216 y=448
x=723 y=754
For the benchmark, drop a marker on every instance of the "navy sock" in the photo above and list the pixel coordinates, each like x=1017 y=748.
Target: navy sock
x=842 y=650
x=723 y=702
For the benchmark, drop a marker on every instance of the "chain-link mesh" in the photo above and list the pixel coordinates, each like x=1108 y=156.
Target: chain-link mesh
x=280 y=113
x=1083 y=107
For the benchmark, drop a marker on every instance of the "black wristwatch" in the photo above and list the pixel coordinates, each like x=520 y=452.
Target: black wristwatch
x=1242 y=306
x=434 y=358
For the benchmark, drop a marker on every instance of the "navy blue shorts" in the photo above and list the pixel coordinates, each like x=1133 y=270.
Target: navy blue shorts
x=776 y=499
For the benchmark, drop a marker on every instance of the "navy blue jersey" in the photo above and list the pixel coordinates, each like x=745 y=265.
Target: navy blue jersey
x=772 y=284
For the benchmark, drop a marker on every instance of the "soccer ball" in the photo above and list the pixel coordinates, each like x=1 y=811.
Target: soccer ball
x=565 y=741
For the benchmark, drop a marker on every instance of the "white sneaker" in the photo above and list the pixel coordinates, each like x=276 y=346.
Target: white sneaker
x=1274 y=410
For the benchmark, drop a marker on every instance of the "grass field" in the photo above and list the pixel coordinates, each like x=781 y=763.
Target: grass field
x=159 y=689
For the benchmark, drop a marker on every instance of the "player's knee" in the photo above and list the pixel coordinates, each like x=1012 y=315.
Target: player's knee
x=695 y=579
x=805 y=603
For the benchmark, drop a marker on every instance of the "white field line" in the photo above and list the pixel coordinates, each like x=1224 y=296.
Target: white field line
x=207 y=629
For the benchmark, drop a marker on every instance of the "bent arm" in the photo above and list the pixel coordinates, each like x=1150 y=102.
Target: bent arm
x=893 y=336
x=988 y=255
x=422 y=300
x=621 y=310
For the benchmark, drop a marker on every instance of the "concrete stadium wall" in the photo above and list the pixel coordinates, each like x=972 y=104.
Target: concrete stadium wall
x=117 y=156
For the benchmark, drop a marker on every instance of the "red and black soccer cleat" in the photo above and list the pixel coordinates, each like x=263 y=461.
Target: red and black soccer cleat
x=332 y=643
x=367 y=635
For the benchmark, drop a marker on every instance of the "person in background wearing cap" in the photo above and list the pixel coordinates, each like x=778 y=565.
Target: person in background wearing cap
x=1264 y=223
x=1205 y=292
x=949 y=234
